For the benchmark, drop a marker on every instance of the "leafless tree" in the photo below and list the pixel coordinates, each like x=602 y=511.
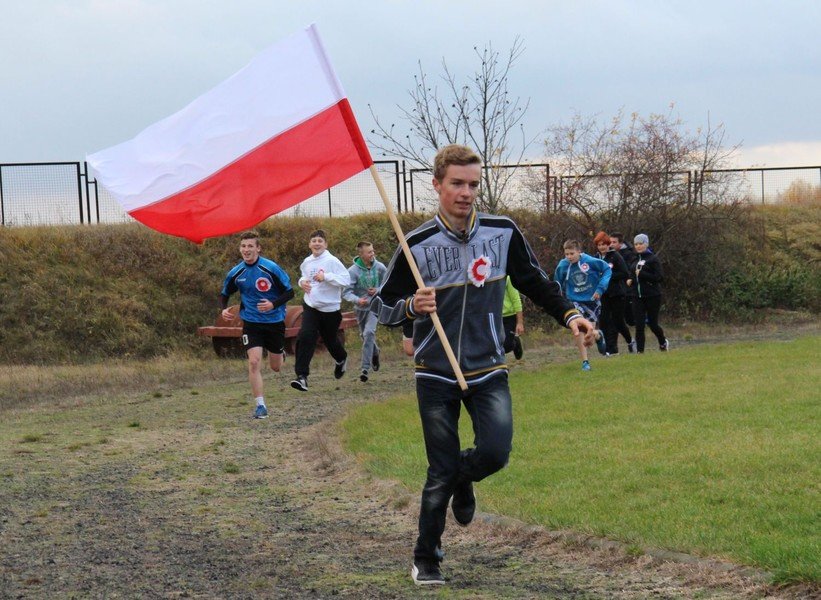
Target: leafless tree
x=479 y=112
x=626 y=169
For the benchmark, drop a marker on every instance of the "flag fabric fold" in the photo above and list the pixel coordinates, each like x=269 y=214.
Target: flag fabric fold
x=274 y=134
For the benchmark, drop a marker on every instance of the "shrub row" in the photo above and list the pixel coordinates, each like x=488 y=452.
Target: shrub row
x=83 y=293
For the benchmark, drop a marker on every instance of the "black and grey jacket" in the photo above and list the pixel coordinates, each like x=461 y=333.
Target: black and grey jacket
x=468 y=272
x=650 y=274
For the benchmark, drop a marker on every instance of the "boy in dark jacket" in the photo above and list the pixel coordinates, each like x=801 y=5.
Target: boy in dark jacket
x=647 y=276
x=464 y=258
x=612 y=301
x=627 y=252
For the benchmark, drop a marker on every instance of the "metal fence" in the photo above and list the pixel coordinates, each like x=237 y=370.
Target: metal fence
x=65 y=193
x=61 y=193
x=753 y=186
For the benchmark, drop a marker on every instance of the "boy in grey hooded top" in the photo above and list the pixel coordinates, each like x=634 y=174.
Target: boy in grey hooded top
x=367 y=274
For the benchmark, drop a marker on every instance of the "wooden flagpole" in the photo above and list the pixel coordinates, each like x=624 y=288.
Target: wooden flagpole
x=397 y=228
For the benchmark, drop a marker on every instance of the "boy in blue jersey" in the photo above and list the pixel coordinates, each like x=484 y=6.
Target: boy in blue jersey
x=264 y=291
x=584 y=279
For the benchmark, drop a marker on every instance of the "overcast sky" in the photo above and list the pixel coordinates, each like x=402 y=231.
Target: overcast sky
x=78 y=76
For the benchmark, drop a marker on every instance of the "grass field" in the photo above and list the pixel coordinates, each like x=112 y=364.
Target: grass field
x=712 y=450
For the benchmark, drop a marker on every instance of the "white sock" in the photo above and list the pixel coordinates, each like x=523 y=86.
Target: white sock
x=260 y=401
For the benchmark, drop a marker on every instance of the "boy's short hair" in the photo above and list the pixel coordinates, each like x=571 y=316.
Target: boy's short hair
x=601 y=238
x=362 y=244
x=453 y=154
x=251 y=234
x=318 y=233
x=573 y=245
x=618 y=235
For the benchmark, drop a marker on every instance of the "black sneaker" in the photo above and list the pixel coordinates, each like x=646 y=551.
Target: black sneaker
x=665 y=346
x=631 y=347
x=426 y=572
x=463 y=504
x=375 y=361
x=363 y=377
x=518 y=351
x=340 y=368
x=300 y=383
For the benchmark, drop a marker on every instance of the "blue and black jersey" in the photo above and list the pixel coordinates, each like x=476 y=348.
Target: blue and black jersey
x=263 y=280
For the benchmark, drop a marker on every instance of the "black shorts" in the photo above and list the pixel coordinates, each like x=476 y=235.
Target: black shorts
x=270 y=336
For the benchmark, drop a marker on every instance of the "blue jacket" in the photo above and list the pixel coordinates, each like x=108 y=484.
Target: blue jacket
x=581 y=280
x=263 y=280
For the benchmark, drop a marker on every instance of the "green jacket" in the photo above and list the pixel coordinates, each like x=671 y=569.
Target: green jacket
x=512 y=303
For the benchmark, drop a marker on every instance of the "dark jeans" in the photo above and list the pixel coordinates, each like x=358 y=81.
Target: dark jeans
x=646 y=310
x=315 y=324
x=489 y=407
x=509 y=325
x=612 y=322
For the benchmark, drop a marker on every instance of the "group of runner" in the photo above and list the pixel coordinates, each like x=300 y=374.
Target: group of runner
x=483 y=312
x=619 y=285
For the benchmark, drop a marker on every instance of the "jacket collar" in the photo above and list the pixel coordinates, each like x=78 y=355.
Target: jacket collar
x=451 y=231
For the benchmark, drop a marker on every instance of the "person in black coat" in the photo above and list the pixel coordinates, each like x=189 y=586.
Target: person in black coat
x=613 y=299
x=646 y=277
x=629 y=255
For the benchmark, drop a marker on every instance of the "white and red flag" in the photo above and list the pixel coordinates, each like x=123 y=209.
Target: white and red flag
x=274 y=134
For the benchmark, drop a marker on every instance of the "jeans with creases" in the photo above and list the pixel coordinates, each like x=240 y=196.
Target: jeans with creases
x=367 y=322
x=489 y=406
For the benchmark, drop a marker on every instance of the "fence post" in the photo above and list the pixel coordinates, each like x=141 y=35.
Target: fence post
x=547 y=188
x=405 y=185
x=396 y=177
x=330 y=210
x=762 y=186
x=2 y=208
x=80 y=194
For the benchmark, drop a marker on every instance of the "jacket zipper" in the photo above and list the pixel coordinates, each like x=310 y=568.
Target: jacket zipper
x=464 y=303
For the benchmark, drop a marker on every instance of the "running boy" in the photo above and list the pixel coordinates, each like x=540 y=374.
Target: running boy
x=463 y=257
x=612 y=301
x=323 y=279
x=513 y=319
x=264 y=290
x=366 y=275
x=584 y=279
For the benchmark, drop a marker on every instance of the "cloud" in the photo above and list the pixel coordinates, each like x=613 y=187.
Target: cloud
x=782 y=154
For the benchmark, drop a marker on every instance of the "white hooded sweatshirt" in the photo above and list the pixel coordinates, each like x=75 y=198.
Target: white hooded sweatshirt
x=325 y=296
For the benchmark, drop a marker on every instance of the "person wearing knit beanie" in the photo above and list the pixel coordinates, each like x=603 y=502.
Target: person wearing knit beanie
x=648 y=276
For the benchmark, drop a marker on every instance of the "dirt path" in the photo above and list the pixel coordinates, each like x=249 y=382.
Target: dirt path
x=181 y=494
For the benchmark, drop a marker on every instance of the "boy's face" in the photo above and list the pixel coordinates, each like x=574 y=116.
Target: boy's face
x=615 y=244
x=367 y=254
x=604 y=247
x=457 y=191
x=317 y=245
x=249 y=249
x=572 y=255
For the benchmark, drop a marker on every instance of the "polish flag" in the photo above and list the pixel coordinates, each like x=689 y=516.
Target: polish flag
x=274 y=134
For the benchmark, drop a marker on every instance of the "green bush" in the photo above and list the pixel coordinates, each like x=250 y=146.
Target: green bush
x=84 y=293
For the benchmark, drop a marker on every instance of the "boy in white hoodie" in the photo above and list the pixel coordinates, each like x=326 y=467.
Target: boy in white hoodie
x=323 y=279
